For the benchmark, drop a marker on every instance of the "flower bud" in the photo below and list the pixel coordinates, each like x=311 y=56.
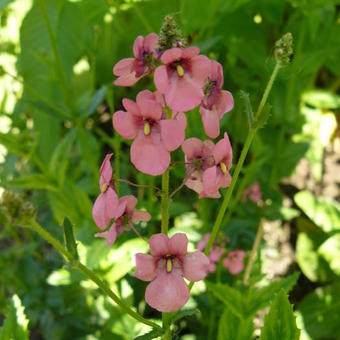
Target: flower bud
x=284 y=49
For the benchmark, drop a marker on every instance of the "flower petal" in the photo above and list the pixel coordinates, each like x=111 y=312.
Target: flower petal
x=224 y=103
x=149 y=157
x=200 y=68
x=125 y=124
x=210 y=183
x=184 y=94
x=171 y=55
x=124 y=67
x=172 y=133
x=192 y=148
x=138 y=47
x=130 y=202
x=131 y=107
x=145 y=267
x=178 y=244
x=150 y=42
x=161 y=79
x=223 y=151
x=167 y=293
x=106 y=170
x=211 y=122
x=195 y=266
x=140 y=216
x=149 y=108
x=127 y=80
x=190 y=52
x=110 y=235
x=159 y=244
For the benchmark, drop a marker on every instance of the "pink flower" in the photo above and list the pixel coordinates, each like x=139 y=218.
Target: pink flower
x=234 y=261
x=154 y=135
x=218 y=176
x=182 y=77
x=125 y=216
x=216 y=102
x=130 y=70
x=253 y=193
x=168 y=263
x=215 y=254
x=107 y=202
x=198 y=158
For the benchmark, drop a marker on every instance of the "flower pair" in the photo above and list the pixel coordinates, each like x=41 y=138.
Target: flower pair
x=108 y=207
x=207 y=165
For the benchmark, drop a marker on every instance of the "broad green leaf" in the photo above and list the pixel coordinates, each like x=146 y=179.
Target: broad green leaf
x=280 y=322
x=15 y=324
x=330 y=251
x=231 y=326
x=61 y=157
x=324 y=212
x=320 y=312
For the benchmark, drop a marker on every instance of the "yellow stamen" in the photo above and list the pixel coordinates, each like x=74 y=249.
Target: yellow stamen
x=168 y=265
x=223 y=168
x=180 y=70
x=104 y=187
x=146 y=129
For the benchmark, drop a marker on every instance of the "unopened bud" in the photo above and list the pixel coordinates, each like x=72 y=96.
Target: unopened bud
x=284 y=49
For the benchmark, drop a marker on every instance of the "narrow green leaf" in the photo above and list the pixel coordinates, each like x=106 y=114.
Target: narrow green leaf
x=151 y=335
x=15 y=324
x=249 y=110
x=280 y=322
x=31 y=182
x=96 y=100
x=232 y=327
x=69 y=238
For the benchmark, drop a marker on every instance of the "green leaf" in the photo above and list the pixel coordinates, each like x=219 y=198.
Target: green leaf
x=330 y=251
x=322 y=99
x=96 y=100
x=151 y=335
x=280 y=322
x=61 y=157
x=249 y=110
x=320 y=312
x=324 y=212
x=4 y=3
x=232 y=327
x=31 y=182
x=69 y=238
x=15 y=324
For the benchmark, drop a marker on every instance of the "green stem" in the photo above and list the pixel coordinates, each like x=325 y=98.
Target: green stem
x=253 y=253
x=89 y=273
x=165 y=202
x=250 y=137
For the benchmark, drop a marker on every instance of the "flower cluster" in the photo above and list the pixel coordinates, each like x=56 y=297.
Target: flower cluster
x=233 y=260
x=155 y=122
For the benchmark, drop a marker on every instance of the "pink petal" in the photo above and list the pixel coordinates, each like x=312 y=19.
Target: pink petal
x=216 y=253
x=224 y=103
x=161 y=79
x=138 y=47
x=140 y=216
x=104 y=208
x=190 y=52
x=130 y=202
x=150 y=42
x=106 y=170
x=223 y=151
x=110 y=235
x=171 y=55
x=236 y=267
x=149 y=157
x=210 y=183
x=145 y=267
x=144 y=95
x=120 y=209
x=195 y=266
x=131 y=107
x=180 y=117
x=127 y=80
x=184 y=94
x=159 y=245
x=212 y=267
x=178 y=244
x=216 y=72
x=167 y=293
x=211 y=122
x=192 y=148
x=150 y=108
x=195 y=184
x=172 y=133
x=125 y=124
x=124 y=66
x=200 y=68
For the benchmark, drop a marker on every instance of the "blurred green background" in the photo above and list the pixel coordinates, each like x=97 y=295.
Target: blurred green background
x=56 y=104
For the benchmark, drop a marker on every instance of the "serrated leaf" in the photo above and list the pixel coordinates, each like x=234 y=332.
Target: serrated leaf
x=232 y=327
x=15 y=324
x=280 y=322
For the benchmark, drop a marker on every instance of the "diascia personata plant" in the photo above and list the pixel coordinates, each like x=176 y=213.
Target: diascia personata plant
x=155 y=122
